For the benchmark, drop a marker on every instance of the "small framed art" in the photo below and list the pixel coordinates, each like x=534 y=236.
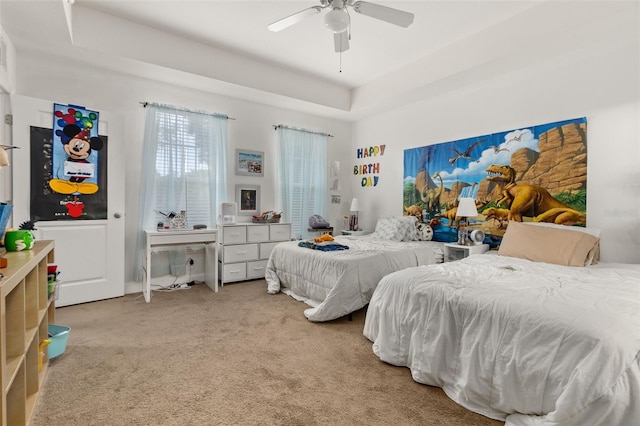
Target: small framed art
x=248 y=199
x=249 y=163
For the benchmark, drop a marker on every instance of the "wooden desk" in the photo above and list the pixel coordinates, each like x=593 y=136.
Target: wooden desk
x=182 y=237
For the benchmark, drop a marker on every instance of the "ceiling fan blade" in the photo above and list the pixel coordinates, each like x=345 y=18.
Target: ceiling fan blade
x=341 y=41
x=293 y=19
x=384 y=13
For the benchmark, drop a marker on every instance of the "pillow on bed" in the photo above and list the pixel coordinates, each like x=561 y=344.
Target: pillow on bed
x=548 y=244
x=593 y=231
x=396 y=228
x=411 y=225
x=424 y=232
x=595 y=254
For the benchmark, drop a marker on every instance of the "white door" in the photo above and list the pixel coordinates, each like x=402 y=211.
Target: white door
x=89 y=253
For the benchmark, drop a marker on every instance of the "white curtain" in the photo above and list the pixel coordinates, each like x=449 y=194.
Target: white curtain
x=302 y=177
x=184 y=168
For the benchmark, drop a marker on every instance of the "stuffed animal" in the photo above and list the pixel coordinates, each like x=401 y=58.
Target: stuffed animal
x=324 y=238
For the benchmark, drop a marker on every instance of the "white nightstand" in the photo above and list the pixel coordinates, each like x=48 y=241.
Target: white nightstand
x=354 y=233
x=453 y=251
x=318 y=232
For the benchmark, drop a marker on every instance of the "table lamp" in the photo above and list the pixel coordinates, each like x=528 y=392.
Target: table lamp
x=466 y=209
x=353 y=222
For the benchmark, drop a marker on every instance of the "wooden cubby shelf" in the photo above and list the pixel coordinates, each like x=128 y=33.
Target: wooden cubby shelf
x=25 y=313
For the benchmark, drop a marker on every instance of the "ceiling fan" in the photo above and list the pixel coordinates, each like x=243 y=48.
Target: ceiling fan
x=337 y=20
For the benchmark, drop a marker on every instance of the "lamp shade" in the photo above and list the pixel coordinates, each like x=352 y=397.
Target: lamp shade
x=336 y=21
x=467 y=207
x=355 y=205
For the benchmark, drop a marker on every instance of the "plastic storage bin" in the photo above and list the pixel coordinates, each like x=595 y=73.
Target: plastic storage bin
x=58 y=334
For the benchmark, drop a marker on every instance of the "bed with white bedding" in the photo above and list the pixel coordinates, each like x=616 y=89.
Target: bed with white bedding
x=336 y=283
x=528 y=342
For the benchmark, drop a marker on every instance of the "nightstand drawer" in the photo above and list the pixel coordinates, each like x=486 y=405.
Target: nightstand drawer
x=240 y=253
x=265 y=249
x=233 y=272
x=256 y=269
x=233 y=234
x=257 y=233
x=280 y=232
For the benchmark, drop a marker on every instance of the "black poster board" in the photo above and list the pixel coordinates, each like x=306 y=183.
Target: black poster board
x=48 y=205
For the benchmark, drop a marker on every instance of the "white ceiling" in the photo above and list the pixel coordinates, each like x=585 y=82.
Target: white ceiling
x=224 y=46
x=376 y=49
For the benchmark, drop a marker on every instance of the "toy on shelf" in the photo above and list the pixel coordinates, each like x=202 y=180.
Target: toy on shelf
x=20 y=239
x=267 y=217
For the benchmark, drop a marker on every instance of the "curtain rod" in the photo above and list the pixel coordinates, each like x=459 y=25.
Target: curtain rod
x=277 y=126
x=217 y=114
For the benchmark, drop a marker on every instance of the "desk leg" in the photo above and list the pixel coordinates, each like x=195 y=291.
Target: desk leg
x=211 y=266
x=146 y=290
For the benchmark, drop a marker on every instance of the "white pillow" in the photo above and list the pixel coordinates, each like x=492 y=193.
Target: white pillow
x=396 y=228
x=411 y=227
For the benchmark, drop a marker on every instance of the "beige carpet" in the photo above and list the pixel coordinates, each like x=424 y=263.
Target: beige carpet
x=239 y=357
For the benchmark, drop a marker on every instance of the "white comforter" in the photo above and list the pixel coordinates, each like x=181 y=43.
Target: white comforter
x=529 y=343
x=337 y=283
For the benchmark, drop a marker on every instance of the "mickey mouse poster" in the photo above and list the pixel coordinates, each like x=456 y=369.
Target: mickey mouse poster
x=72 y=159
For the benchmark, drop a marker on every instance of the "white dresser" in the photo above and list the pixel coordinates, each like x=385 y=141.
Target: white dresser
x=244 y=248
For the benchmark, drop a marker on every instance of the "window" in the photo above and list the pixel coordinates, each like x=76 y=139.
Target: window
x=302 y=178
x=184 y=167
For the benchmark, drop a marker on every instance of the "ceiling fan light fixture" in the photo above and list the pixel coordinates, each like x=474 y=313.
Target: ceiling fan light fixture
x=336 y=20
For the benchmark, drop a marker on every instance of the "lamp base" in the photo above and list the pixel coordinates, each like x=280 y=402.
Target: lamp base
x=353 y=222
x=463 y=238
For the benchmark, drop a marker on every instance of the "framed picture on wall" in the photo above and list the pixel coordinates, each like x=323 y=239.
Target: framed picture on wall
x=249 y=163
x=248 y=199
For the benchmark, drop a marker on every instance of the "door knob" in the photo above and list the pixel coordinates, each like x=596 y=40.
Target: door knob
x=117 y=215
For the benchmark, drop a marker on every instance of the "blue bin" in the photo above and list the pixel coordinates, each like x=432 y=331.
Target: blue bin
x=58 y=334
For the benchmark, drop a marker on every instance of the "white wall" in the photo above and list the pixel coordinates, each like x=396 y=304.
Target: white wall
x=600 y=83
x=46 y=77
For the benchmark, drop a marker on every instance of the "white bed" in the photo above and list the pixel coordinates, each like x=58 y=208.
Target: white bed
x=528 y=342
x=336 y=283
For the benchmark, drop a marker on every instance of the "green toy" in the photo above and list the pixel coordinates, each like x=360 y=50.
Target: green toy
x=21 y=239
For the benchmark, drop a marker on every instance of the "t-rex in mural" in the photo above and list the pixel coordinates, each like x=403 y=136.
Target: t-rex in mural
x=531 y=200
x=498 y=215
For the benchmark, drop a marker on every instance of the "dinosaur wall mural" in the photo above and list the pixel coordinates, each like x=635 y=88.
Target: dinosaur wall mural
x=536 y=173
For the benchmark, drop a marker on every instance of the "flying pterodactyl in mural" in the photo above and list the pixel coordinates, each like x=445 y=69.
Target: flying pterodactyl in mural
x=497 y=149
x=466 y=154
x=518 y=137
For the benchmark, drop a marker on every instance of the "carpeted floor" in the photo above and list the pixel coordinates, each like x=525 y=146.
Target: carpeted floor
x=238 y=357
